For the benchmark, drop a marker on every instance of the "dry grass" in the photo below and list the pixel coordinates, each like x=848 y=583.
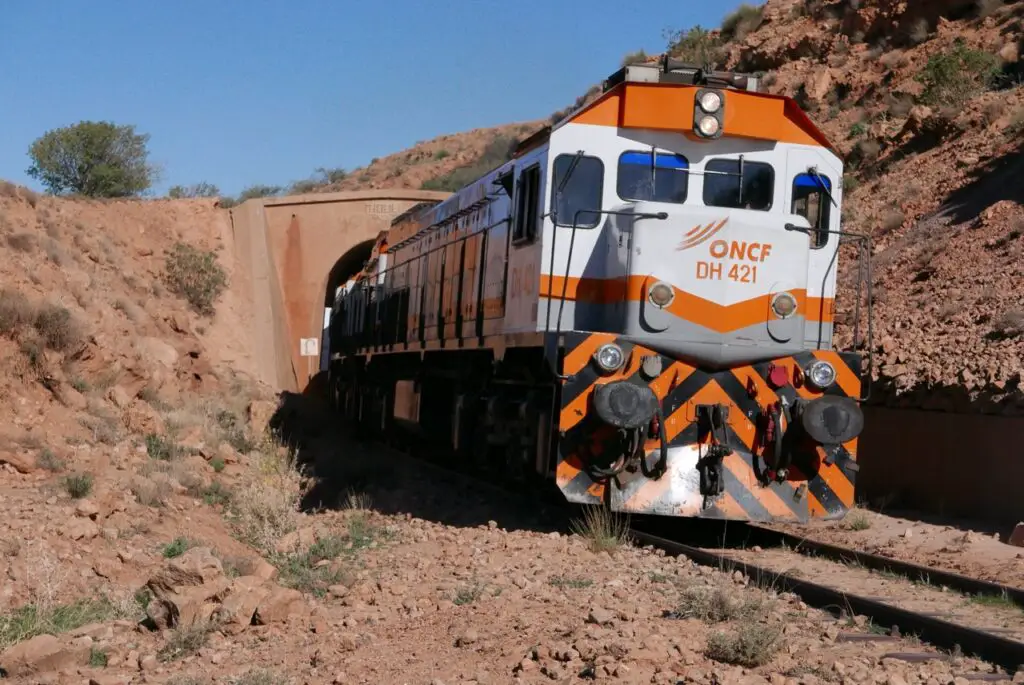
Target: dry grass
x=152 y=492
x=22 y=242
x=44 y=614
x=16 y=312
x=720 y=602
x=265 y=509
x=260 y=676
x=602 y=529
x=892 y=220
x=186 y=641
x=751 y=645
x=857 y=520
x=1010 y=323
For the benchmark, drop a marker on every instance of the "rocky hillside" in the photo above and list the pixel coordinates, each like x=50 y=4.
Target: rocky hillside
x=444 y=163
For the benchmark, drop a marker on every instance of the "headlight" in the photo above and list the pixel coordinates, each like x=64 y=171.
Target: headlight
x=661 y=294
x=609 y=357
x=784 y=305
x=710 y=102
x=822 y=374
x=708 y=126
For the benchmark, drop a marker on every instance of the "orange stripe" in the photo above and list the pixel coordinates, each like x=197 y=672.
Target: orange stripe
x=835 y=479
x=687 y=306
x=709 y=230
x=770 y=499
x=730 y=507
x=578 y=358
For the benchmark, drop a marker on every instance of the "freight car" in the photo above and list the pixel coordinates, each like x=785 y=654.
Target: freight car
x=638 y=307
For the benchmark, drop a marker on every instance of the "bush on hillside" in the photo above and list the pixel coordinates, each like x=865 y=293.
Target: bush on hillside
x=741 y=22
x=92 y=158
x=497 y=152
x=634 y=58
x=195 y=275
x=258 y=191
x=195 y=190
x=696 y=46
x=953 y=77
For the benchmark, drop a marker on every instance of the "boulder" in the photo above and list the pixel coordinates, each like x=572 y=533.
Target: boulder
x=44 y=653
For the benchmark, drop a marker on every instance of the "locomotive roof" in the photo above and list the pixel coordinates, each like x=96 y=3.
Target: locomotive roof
x=659 y=96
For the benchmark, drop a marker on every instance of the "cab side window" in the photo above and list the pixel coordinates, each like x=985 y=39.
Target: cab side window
x=527 y=205
x=811 y=200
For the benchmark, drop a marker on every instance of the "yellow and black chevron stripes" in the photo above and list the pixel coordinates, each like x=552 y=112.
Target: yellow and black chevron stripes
x=813 y=488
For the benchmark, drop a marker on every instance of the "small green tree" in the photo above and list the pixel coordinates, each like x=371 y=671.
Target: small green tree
x=92 y=158
x=202 y=189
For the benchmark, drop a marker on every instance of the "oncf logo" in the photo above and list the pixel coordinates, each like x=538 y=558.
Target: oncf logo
x=700 y=234
x=739 y=249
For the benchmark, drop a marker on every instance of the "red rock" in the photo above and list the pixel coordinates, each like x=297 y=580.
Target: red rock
x=43 y=653
x=243 y=598
x=22 y=463
x=281 y=605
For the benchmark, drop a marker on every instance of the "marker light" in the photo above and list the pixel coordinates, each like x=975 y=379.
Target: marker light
x=661 y=294
x=822 y=374
x=710 y=102
x=609 y=357
x=708 y=126
x=784 y=305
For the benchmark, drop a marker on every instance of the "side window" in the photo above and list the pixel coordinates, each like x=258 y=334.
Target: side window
x=527 y=205
x=723 y=186
x=812 y=202
x=582 y=192
x=653 y=177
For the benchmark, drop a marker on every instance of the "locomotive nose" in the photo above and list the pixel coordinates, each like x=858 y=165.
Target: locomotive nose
x=625 y=405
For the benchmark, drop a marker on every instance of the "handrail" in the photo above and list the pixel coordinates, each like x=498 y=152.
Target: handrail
x=863 y=241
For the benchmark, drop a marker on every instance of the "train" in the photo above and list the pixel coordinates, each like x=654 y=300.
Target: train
x=638 y=307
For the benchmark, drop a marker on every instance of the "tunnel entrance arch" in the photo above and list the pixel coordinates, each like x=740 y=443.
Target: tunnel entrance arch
x=348 y=265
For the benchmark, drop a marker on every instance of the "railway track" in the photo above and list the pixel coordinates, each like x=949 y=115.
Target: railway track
x=996 y=649
x=986 y=644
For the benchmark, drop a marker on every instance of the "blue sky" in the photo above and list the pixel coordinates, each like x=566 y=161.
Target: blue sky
x=237 y=92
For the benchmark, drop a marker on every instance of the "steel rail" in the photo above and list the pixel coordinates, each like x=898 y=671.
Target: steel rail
x=994 y=649
x=925 y=574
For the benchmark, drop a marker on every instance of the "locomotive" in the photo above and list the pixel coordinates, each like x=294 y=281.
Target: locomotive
x=637 y=307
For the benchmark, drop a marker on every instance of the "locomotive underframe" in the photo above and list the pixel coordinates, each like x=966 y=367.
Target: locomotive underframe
x=504 y=411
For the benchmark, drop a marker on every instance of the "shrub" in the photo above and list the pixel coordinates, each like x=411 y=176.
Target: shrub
x=202 y=189
x=634 y=57
x=15 y=312
x=741 y=22
x=696 y=45
x=177 y=547
x=92 y=158
x=258 y=191
x=78 y=485
x=752 y=645
x=22 y=242
x=195 y=275
x=953 y=77
x=57 y=328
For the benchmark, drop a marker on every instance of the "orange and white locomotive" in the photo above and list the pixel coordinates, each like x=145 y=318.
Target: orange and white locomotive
x=638 y=306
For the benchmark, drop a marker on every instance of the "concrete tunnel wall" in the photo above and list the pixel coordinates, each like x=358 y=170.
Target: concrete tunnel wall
x=290 y=246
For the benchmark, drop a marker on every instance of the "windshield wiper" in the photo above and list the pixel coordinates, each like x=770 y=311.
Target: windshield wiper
x=821 y=182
